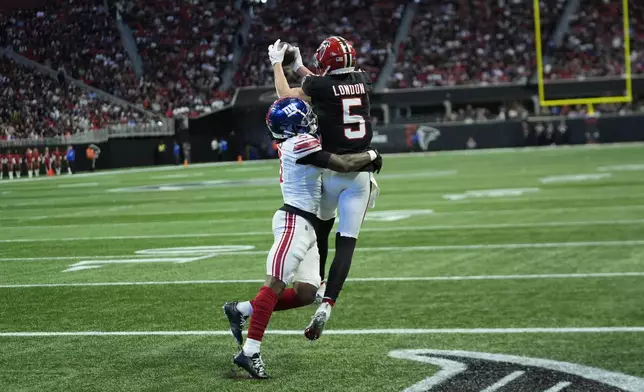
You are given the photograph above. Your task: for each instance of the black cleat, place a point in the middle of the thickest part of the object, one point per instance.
(236, 320)
(253, 365)
(316, 326)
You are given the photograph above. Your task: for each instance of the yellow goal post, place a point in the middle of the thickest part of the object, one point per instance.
(592, 100)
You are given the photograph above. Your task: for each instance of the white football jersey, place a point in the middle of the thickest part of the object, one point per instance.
(301, 184)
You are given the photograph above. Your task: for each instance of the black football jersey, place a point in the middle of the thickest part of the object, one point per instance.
(341, 103)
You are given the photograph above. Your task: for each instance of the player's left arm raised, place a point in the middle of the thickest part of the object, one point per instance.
(342, 163)
(276, 55)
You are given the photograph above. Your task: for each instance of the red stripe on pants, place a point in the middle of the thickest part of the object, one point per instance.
(293, 217)
(285, 244)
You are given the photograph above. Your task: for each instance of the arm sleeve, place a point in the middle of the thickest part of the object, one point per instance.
(318, 159)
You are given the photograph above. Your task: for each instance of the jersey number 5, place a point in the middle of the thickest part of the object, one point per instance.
(353, 119)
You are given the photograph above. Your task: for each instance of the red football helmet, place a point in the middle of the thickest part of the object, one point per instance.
(334, 55)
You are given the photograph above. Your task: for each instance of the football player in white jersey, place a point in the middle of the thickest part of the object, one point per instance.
(294, 255)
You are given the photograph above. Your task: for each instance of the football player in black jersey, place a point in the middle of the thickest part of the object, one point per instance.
(339, 95)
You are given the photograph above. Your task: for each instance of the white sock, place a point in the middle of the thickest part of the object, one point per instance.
(245, 308)
(251, 347)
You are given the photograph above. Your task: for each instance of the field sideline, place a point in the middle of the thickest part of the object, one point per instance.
(113, 281)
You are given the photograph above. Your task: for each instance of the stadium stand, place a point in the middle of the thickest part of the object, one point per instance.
(594, 45)
(35, 106)
(78, 37)
(184, 48)
(448, 44)
(369, 24)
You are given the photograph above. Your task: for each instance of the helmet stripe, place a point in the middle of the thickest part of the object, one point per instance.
(348, 59)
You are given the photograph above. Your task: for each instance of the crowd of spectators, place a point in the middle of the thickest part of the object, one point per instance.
(451, 43)
(184, 46)
(594, 45)
(33, 105)
(370, 25)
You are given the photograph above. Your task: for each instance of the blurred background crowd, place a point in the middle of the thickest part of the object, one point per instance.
(186, 57)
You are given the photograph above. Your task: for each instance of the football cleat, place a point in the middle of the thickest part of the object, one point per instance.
(253, 364)
(318, 321)
(236, 320)
(319, 295)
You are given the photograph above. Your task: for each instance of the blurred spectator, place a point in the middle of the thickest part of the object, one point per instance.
(184, 46)
(449, 44)
(35, 106)
(185, 49)
(370, 25)
(594, 46)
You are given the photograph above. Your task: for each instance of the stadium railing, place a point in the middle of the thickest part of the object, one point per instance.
(98, 136)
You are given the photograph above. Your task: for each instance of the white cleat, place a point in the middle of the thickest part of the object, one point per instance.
(318, 321)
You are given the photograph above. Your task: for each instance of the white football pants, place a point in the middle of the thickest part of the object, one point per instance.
(350, 194)
(294, 255)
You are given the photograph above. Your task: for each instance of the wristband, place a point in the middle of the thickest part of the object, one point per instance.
(373, 155)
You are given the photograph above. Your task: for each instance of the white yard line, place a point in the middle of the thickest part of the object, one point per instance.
(375, 279)
(489, 151)
(298, 332)
(523, 211)
(364, 229)
(543, 245)
(367, 249)
(55, 258)
(504, 381)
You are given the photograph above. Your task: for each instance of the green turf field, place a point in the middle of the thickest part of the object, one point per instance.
(535, 253)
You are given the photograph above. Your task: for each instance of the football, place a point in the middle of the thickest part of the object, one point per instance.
(289, 56)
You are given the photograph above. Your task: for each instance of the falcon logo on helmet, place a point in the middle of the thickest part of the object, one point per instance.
(335, 55)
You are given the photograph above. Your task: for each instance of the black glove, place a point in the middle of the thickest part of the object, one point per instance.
(377, 163)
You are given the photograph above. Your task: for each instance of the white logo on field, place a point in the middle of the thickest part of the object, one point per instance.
(466, 370)
(574, 178)
(395, 215)
(178, 255)
(490, 193)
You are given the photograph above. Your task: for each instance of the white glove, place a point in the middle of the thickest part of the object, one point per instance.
(297, 63)
(276, 55)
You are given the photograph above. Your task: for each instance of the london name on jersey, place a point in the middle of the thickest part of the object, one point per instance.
(349, 89)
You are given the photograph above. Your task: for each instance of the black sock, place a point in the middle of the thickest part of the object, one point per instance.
(344, 248)
(323, 230)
